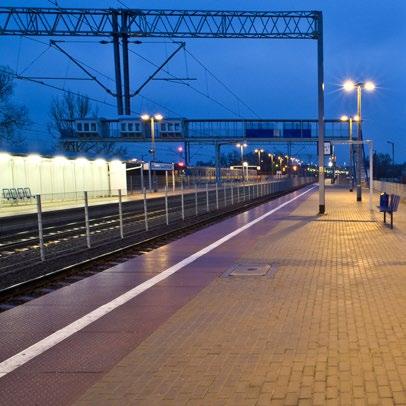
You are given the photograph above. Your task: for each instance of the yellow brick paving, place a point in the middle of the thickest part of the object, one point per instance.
(328, 328)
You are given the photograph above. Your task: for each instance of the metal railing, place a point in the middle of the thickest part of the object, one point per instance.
(93, 224)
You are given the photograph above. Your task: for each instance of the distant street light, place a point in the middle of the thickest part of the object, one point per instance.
(270, 156)
(349, 86)
(242, 146)
(350, 120)
(152, 119)
(180, 151)
(259, 151)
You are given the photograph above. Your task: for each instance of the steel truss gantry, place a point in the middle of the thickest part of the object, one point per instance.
(124, 24)
(158, 23)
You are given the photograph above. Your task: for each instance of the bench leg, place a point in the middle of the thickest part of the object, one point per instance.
(391, 220)
(384, 217)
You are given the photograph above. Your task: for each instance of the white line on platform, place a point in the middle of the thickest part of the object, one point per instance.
(45, 344)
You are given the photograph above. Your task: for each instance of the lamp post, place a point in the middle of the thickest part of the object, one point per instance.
(349, 86)
(259, 152)
(180, 151)
(350, 120)
(270, 156)
(242, 146)
(152, 119)
(393, 154)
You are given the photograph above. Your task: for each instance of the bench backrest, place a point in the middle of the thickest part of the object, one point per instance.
(13, 193)
(6, 194)
(394, 202)
(27, 193)
(20, 192)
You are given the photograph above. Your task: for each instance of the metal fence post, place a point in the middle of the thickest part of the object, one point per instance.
(232, 193)
(196, 207)
(120, 213)
(238, 193)
(217, 196)
(249, 192)
(40, 228)
(225, 194)
(207, 198)
(87, 220)
(150, 177)
(166, 180)
(166, 205)
(182, 201)
(145, 209)
(173, 180)
(142, 177)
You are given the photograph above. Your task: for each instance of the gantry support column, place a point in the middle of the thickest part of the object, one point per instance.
(126, 68)
(117, 64)
(320, 92)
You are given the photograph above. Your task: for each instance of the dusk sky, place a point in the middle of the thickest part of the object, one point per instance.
(364, 40)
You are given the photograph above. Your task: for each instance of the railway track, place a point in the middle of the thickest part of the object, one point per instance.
(38, 285)
(17, 242)
(53, 234)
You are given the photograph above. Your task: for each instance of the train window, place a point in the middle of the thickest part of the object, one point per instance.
(93, 127)
(122, 127)
(170, 127)
(177, 126)
(86, 127)
(163, 127)
(130, 127)
(79, 126)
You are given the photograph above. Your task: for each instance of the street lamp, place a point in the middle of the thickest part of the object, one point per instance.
(349, 86)
(350, 120)
(152, 119)
(259, 151)
(242, 146)
(270, 156)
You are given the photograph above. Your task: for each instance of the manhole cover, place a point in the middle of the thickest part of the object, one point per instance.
(249, 269)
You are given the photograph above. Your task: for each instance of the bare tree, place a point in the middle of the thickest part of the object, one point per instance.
(67, 108)
(13, 117)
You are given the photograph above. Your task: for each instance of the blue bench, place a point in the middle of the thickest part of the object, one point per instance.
(391, 207)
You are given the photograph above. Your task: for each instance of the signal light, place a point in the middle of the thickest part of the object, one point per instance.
(180, 166)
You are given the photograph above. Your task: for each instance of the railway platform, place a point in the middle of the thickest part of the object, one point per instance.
(276, 305)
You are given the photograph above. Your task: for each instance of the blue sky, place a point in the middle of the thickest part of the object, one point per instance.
(277, 79)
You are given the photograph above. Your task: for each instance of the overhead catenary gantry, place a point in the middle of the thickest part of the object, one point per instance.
(124, 24)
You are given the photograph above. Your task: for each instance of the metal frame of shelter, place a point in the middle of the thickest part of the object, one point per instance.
(124, 24)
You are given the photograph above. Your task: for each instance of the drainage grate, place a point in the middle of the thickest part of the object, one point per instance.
(248, 269)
